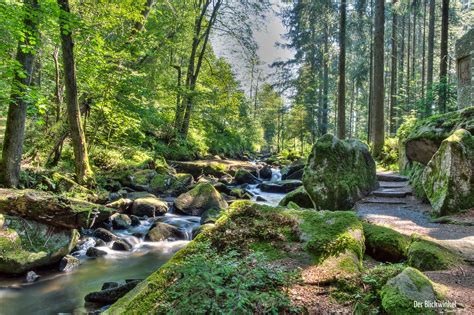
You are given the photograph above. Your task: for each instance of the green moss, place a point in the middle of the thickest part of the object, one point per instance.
(385, 244)
(298, 196)
(269, 250)
(329, 233)
(426, 255)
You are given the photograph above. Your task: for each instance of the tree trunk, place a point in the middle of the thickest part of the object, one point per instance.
(407, 99)
(394, 74)
(324, 119)
(443, 67)
(81, 160)
(423, 57)
(15, 128)
(379, 132)
(370, 118)
(139, 25)
(341, 98)
(429, 67)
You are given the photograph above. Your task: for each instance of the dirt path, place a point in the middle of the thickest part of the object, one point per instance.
(393, 205)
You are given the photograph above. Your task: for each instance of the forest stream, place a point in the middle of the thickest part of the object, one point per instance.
(58, 293)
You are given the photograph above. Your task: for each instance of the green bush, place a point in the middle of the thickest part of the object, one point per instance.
(389, 156)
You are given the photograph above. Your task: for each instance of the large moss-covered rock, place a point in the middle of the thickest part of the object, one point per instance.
(339, 173)
(51, 209)
(199, 199)
(428, 256)
(448, 179)
(217, 168)
(385, 244)
(172, 184)
(27, 244)
(299, 196)
(421, 141)
(330, 240)
(149, 206)
(401, 293)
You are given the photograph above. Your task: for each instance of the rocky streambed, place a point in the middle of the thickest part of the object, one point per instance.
(127, 248)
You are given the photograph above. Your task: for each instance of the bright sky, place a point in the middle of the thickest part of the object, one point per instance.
(266, 39)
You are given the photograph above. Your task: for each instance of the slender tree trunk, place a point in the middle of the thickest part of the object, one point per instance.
(413, 56)
(429, 69)
(394, 74)
(423, 57)
(370, 116)
(379, 131)
(341, 98)
(324, 120)
(16, 119)
(140, 25)
(407, 100)
(57, 80)
(83, 171)
(443, 68)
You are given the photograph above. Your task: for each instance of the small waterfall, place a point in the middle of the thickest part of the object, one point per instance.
(276, 175)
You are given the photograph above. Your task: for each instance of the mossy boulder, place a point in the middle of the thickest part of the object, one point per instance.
(282, 186)
(27, 244)
(213, 167)
(171, 184)
(51, 209)
(401, 293)
(262, 235)
(385, 244)
(199, 199)
(299, 196)
(427, 256)
(448, 179)
(423, 139)
(339, 173)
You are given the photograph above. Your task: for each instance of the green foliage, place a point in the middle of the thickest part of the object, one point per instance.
(227, 283)
(388, 158)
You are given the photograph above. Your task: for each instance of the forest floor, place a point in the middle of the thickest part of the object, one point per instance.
(394, 206)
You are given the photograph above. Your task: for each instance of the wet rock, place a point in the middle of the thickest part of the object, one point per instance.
(294, 170)
(111, 295)
(299, 196)
(68, 263)
(283, 186)
(261, 199)
(135, 221)
(120, 221)
(226, 179)
(339, 173)
(138, 235)
(139, 194)
(150, 207)
(104, 235)
(121, 245)
(95, 252)
(27, 244)
(243, 176)
(31, 276)
(122, 204)
(171, 184)
(160, 231)
(99, 243)
(266, 172)
(199, 199)
(448, 179)
(109, 285)
(240, 193)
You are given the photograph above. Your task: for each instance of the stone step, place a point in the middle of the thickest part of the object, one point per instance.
(390, 193)
(391, 185)
(382, 200)
(392, 178)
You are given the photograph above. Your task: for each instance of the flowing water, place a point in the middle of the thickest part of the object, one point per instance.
(59, 293)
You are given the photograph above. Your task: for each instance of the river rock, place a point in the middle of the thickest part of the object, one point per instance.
(198, 230)
(109, 285)
(104, 235)
(120, 221)
(226, 179)
(266, 172)
(210, 216)
(217, 168)
(282, 186)
(68, 263)
(121, 245)
(339, 173)
(27, 244)
(171, 184)
(199, 199)
(149, 206)
(135, 221)
(111, 295)
(122, 204)
(448, 179)
(222, 188)
(243, 176)
(401, 292)
(160, 231)
(99, 243)
(299, 196)
(50, 209)
(294, 170)
(261, 199)
(95, 252)
(31, 276)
